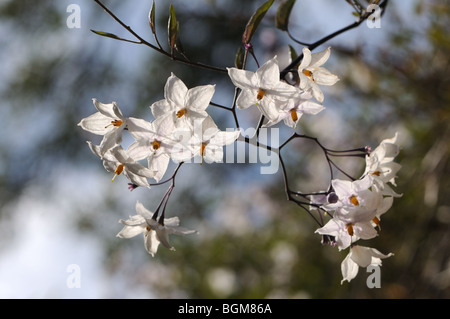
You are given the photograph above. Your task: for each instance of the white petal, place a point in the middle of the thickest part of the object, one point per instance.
(349, 269)
(243, 79)
(96, 123)
(198, 98)
(175, 91)
(246, 99)
(268, 74)
(319, 58)
(151, 242)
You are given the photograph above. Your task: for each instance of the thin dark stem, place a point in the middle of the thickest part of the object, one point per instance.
(159, 48)
(314, 45)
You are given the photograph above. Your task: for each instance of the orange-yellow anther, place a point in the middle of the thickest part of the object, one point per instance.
(260, 94)
(115, 123)
(202, 150)
(294, 115)
(307, 73)
(376, 221)
(350, 229)
(156, 144)
(354, 200)
(181, 113)
(376, 173)
(118, 171)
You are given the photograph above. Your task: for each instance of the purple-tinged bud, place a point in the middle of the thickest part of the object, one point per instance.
(332, 198)
(132, 186)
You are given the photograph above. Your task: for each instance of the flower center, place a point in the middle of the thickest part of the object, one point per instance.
(115, 123)
(376, 173)
(350, 229)
(181, 113)
(308, 73)
(117, 172)
(260, 94)
(354, 200)
(376, 221)
(294, 115)
(156, 144)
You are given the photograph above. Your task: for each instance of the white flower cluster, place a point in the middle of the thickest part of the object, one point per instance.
(278, 100)
(181, 130)
(356, 207)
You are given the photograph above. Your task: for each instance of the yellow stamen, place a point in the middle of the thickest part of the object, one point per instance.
(202, 152)
(181, 113)
(307, 73)
(117, 172)
(260, 94)
(354, 200)
(115, 123)
(376, 173)
(156, 144)
(350, 229)
(376, 221)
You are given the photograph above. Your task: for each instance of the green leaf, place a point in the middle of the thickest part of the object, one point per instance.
(106, 34)
(151, 18)
(254, 21)
(239, 62)
(173, 28)
(292, 52)
(283, 13)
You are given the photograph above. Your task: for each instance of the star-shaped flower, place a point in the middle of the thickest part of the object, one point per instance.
(118, 161)
(154, 232)
(263, 87)
(291, 111)
(312, 74)
(360, 256)
(108, 121)
(183, 105)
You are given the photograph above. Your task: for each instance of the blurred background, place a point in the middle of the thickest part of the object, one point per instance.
(59, 211)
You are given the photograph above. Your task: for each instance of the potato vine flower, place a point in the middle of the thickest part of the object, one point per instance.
(153, 141)
(154, 232)
(346, 233)
(380, 164)
(118, 161)
(263, 87)
(182, 104)
(108, 121)
(360, 256)
(312, 74)
(207, 142)
(291, 111)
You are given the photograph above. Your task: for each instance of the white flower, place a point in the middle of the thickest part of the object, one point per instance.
(154, 142)
(263, 87)
(108, 121)
(118, 161)
(290, 111)
(183, 105)
(154, 233)
(354, 198)
(207, 142)
(380, 164)
(312, 74)
(347, 233)
(360, 257)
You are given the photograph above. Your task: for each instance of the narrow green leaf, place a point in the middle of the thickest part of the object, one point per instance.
(172, 28)
(283, 13)
(106, 34)
(292, 53)
(254, 21)
(151, 18)
(239, 62)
